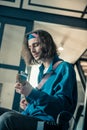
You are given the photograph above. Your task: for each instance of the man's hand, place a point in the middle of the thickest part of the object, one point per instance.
(23, 89)
(23, 103)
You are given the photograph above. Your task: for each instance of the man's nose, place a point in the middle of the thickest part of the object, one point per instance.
(32, 49)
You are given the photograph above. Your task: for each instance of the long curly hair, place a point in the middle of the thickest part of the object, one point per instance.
(49, 48)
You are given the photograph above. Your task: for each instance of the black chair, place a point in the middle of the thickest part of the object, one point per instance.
(62, 122)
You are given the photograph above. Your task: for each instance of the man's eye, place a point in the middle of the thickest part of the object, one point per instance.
(36, 44)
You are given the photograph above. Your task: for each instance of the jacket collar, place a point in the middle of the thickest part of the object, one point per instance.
(55, 59)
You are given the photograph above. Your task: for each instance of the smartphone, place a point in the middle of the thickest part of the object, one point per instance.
(22, 77)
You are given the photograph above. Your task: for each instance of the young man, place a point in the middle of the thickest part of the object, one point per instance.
(56, 91)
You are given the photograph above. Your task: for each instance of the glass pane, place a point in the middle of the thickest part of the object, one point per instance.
(11, 44)
(7, 95)
(7, 75)
(34, 75)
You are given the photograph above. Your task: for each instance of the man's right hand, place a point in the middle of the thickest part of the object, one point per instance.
(23, 103)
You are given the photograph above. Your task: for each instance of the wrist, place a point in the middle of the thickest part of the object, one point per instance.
(28, 88)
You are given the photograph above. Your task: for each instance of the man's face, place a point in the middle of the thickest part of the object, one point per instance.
(35, 48)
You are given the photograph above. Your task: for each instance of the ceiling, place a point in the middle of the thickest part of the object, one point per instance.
(73, 40)
(75, 8)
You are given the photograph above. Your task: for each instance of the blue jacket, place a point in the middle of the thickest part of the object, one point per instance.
(59, 93)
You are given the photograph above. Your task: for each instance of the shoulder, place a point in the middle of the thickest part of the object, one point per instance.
(66, 66)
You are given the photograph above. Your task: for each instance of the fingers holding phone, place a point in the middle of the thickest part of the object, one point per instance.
(22, 86)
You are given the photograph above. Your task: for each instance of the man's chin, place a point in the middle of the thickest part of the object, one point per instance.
(38, 60)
